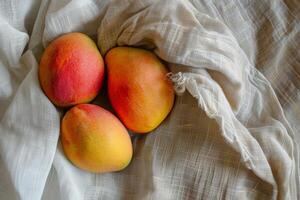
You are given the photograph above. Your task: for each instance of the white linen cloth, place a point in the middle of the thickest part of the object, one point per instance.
(228, 137)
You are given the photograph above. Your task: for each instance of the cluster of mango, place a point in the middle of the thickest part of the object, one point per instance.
(72, 72)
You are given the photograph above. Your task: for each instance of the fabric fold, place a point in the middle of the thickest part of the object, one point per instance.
(206, 44)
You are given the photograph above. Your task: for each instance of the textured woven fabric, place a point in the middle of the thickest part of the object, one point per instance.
(232, 134)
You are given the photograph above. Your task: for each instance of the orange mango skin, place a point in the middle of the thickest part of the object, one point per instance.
(71, 70)
(138, 88)
(95, 140)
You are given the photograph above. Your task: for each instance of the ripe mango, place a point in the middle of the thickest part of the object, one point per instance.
(138, 88)
(95, 140)
(71, 70)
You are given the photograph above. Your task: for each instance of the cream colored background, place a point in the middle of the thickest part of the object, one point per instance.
(233, 134)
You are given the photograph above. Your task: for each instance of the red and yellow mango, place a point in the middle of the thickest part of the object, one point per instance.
(138, 88)
(71, 70)
(95, 140)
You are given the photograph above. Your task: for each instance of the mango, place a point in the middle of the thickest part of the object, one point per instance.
(95, 140)
(71, 70)
(138, 88)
